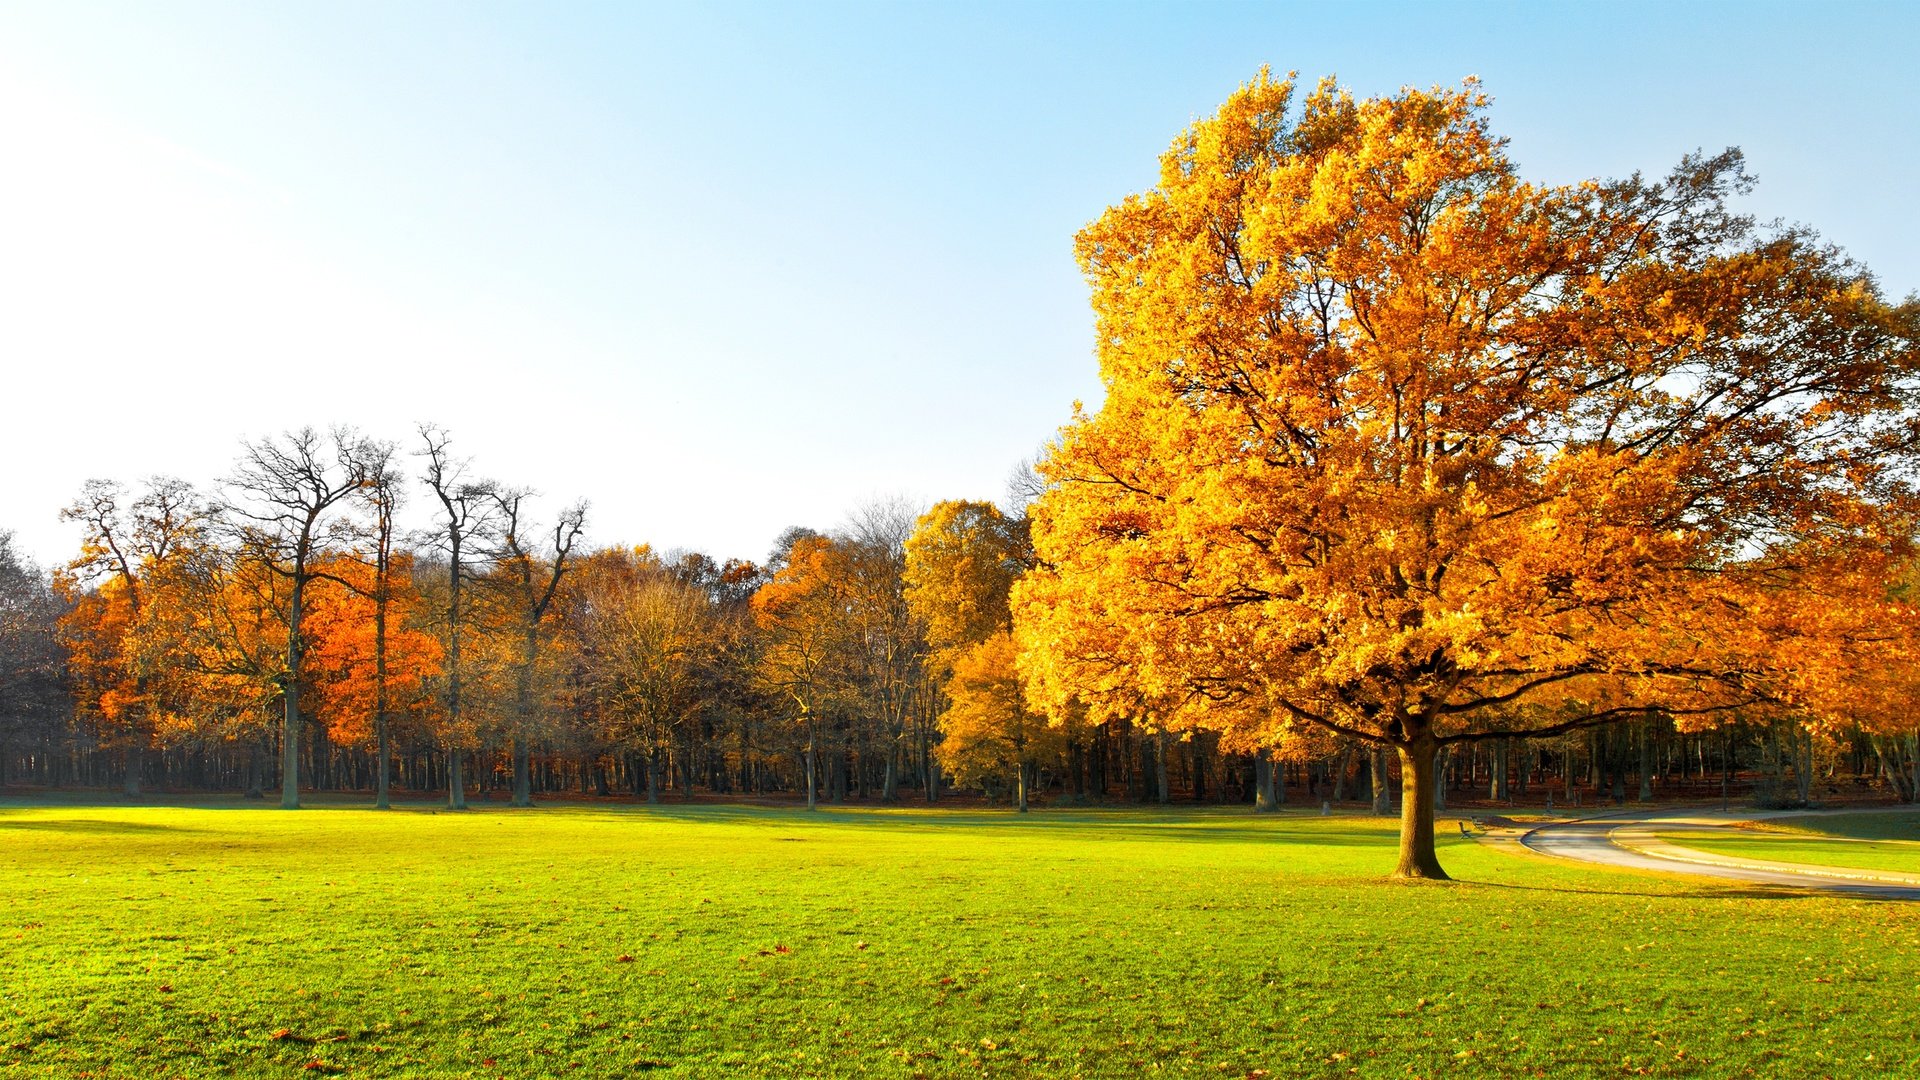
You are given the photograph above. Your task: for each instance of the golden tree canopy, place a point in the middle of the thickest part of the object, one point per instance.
(1400, 444)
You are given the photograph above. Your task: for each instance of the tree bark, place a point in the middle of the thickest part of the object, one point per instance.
(1160, 768)
(522, 773)
(456, 781)
(1262, 783)
(1417, 781)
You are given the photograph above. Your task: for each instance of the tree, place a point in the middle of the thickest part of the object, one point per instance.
(647, 634)
(381, 494)
(286, 495)
(526, 581)
(124, 544)
(801, 612)
(889, 641)
(370, 662)
(961, 563)
(1397, 444)
(466, 508)
(33, 697)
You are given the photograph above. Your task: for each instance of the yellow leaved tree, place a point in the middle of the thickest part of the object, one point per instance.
(1399, 445)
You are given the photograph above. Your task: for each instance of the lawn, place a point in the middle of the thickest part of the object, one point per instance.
(215, 940)
(1861, 841)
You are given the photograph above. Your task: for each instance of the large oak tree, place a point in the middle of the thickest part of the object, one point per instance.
(1399, 444)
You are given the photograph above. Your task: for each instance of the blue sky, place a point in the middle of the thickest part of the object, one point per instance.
(724, 269)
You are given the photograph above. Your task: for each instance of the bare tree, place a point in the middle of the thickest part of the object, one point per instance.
(467, 513)
(526, 580)
(285, 493)
(891, 642)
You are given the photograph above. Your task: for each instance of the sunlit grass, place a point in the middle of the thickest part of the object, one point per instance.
(1863, 841)
(160, 942)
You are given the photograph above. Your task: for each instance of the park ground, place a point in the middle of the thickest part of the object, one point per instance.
(221, 939)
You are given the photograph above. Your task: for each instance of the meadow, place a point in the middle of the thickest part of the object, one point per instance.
(221, 939)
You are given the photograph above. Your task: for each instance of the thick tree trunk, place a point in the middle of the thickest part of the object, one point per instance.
(1020, 782)
(1417, 781)
(456, 780)
(522, 773)
(1262, 783)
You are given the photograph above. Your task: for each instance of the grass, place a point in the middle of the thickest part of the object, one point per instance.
(1860, 841)
(154, 942)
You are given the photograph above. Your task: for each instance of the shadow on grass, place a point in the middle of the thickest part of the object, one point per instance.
(89, 825)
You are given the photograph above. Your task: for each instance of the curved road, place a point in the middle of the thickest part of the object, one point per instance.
(1591, 840)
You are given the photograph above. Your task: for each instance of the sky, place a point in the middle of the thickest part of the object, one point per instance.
(724, 269)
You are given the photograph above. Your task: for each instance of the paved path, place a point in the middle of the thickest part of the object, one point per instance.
(1628, 840)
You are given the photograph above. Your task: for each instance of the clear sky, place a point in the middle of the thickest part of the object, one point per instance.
(725, 269)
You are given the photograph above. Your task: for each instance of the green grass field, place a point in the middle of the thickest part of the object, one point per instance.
(569, 941)
(1862, 841)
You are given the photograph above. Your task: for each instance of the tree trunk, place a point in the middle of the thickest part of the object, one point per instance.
(1020, 783)
(1646, 763)
(522, 773)
(1160, 768)
(1199, 768)
(812, 796)
(256, 769)
(136, 761)
(1497, 753)
(456, 781)
(290, 700)
(1382, 795)
(1417, 781)
(1262, 783)
(382, 779)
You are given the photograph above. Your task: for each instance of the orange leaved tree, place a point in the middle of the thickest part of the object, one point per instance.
(1398, 444)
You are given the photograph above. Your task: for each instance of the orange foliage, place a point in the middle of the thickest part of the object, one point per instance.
(340, 658)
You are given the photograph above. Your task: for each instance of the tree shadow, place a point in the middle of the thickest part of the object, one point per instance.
(90, 825)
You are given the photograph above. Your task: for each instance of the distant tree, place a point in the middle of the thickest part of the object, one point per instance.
(286, 498)
(466, 516)
(125, 542)
(960, 566)
(804, 655)
(33, 693)
(1395, 443)
(525, 578)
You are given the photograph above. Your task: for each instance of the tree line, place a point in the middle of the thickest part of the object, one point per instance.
(282, 632)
